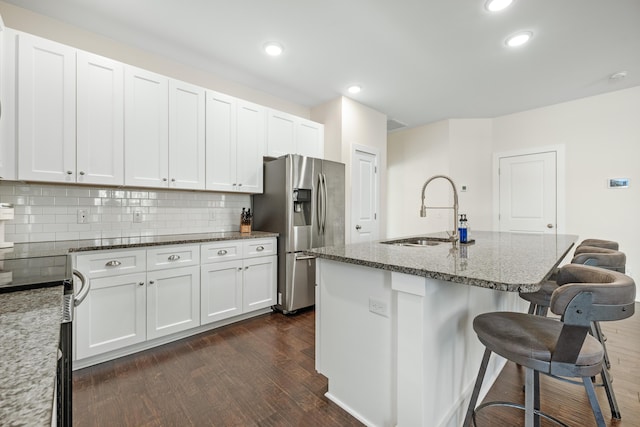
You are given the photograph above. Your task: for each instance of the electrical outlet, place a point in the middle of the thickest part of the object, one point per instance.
(82, 216)
(137, 216)
(378, 307)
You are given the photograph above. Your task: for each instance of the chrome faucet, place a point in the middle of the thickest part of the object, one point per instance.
(423, 209)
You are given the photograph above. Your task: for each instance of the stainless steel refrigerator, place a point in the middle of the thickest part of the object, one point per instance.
(303, 201)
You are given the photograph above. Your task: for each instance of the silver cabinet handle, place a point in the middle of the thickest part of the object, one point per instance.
(141, 284)
(260, 249)
(81, 172)
(113, 263)
(84, 289)
(174, 258)
(222, 252)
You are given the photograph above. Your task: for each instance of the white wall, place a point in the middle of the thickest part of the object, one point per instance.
(40, 25)
(349, 123)
(458, 148)
(601, 136)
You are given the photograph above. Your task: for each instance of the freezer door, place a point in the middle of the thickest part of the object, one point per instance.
(301, 278)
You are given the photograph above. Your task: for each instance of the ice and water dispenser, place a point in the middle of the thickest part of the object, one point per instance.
(301, 207)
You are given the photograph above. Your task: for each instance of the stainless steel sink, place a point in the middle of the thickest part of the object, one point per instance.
(418, 241)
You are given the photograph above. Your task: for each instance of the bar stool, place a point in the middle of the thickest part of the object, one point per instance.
(599, 243)
(558, 348)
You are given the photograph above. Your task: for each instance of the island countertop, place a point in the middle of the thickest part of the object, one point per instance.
(496, 260)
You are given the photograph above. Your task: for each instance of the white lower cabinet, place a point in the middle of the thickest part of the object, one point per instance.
(145, 294)
(231, 286)
(112, 316)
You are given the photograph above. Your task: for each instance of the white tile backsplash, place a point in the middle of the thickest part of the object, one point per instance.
(45, 212)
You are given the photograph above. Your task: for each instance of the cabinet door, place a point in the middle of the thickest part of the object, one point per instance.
(112, 316)
(250, 147)
(46, 110)
(310, 139)
(221, 142)
(172, 301)
(259, 283)
(220, 291)
(186, 136)
(100, 120)
(7, 103)
(281, 133)
(146, 129)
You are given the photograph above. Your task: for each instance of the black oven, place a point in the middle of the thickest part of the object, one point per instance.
(64, 401)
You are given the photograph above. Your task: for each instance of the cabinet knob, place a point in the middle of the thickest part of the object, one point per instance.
(113, 263)
(151, 282)
(240, 185)
(222, 252)
(81, 172)
(164, 179)
(246, 268)
(141, 284)
(234, 184)
(69, 172)
(173, 180)
(549, 225)
(260, 249)
(358, 227)
(239, 268)
(174, 258)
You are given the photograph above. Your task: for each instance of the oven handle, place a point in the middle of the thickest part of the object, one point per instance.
(84, 289)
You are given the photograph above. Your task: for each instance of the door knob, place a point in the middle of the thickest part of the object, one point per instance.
(358, 227)
(549, 225)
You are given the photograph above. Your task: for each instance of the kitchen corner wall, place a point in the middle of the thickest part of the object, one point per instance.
(50, 212)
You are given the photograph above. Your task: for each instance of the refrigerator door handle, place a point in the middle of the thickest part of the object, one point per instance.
(324, 204)
(320, 204)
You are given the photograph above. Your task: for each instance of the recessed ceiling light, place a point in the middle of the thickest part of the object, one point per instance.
(518, 39)
(497, 5)
(355, 89)
(273, 49)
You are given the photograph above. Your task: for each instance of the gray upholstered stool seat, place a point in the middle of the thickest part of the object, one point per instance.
(563, 348)
(531, 341)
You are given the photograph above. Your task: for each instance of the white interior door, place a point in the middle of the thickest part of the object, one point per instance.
(364, 195)
(528, 193)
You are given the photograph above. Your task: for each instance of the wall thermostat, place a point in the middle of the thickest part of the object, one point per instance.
(618, 183)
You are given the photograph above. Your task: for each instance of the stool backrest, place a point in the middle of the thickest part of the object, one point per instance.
(587, 294)
(608, 244)
(603, 258)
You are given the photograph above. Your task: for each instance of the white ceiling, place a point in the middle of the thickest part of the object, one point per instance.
(418, 61)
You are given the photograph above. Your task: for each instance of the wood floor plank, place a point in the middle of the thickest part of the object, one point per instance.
(261, 372)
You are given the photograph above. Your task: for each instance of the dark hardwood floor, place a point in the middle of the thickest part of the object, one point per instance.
(260, 372)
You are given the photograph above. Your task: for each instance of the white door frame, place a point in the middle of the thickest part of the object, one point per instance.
(374, 152)
(560, 181)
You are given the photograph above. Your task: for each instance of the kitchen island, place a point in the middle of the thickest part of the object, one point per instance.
(394, 323)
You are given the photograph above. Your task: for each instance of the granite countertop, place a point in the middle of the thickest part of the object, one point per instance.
(502, 261)
(30, 325)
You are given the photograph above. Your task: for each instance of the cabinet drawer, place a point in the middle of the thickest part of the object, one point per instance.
(259, 247)
(172, 257)
(111, 263)
(227, 250)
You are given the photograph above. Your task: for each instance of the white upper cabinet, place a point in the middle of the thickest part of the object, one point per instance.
(186, 136)
(281, 134)
(146, 128)
(100, 120)
(289, 134)
(46, 110)
(164, 131)
(250, 145)
(7, 104)
(310, 138)
(235, 144)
